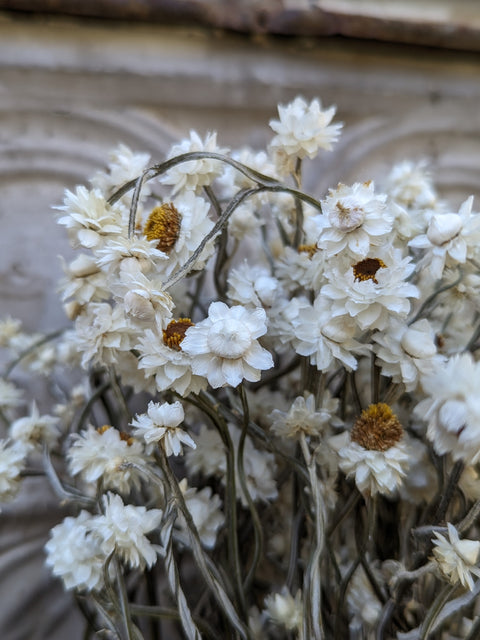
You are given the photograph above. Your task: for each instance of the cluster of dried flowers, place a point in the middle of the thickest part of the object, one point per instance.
(273, 424)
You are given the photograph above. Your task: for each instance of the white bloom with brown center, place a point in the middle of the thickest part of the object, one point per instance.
(375, 454)
(354, 220)
(224, 347)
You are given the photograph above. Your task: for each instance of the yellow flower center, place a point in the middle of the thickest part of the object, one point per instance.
(163, 224)
(123, 435)
(367, 269)
(310, 249)
(377, 428)
(175, 332)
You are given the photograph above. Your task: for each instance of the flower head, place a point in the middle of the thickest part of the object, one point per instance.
(224, 346)
(74, 553)
(122, 528)
(12, 463)
(35, 430)
(302, 130)
(108, 454)
(161, 425)
(375, 454)
(456, 558)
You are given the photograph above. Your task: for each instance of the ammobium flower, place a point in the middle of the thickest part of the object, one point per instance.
(452, 408)
(284, 609)
(105, 453)
(193, 174)
(302, 130)
(224, 346)
(161, 425)
(123, 527)
(12, 462)
(206, 513)
(456, 558)
(74, 553)
(35, 430)
(354, 219)
(303, 418)
(376, 455)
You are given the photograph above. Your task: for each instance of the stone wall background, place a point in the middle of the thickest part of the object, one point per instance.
(70, 90)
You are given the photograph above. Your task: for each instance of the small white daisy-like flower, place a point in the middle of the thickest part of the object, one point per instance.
(405, 352)
(252, 285)
(450, 239)
(178, 228)
(12, 463)
(163, 358)
(89, 218)
(35, 430)
(143, 299)
(323, 337)
(410, 184)
(9, 328)
(375, 454)
(206, 513)
(124, 165)
(302, 267)
(372, 290)
(130, 254)
(302, 417)
(354, 219)
(84, 281)
(193, 174)
(106, 453)
(161, 425)
(101, 331)
(123, 529)
(74, 553)
(456, 559)
(284, 609)
(10, 395)
(451, 408)
(224, 346)
(302, 130)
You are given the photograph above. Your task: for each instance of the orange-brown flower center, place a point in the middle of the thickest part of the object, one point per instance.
(377, 428)
(367, 269)
(163, 224)
(175, 332)
(310, 249)
(123, 435)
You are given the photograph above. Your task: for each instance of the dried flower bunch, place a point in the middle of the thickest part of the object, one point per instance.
(265, 419)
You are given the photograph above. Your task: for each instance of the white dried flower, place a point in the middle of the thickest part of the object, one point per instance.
(101, 331)
(74, 553)
(456, 558)
(302, 417)
(193, 174)
(354, 219)
(161, 425)
(285, 610)
(89, 218)
(12, 463)
(107, 453)
(122, 529)
(9, 328)
(205, 509)
(224, 346)
(252, 285)
(35, 430)
(375, 453)
(372, 290)
(302, 130)
(10, 395)
(451, 408)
